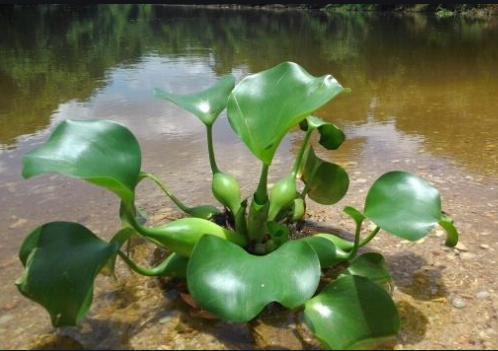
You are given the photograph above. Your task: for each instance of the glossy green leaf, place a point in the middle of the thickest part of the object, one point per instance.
(352, 313)
(207, 104)
(331, 136)
(327, 247)
(121, 237)
(356, 215)
(61, 261)
(373, 266)
(403, 204)
(101, 152)
(226, 280)
(326, 182)
(264, 106)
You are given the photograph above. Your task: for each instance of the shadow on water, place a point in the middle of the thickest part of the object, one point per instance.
(414, 276)
(420, 295)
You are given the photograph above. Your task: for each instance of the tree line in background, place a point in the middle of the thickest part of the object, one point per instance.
(454, 9)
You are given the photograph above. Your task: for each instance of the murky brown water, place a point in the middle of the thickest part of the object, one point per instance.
(424, 99)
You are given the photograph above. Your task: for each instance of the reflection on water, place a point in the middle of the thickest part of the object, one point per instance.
(423, 98)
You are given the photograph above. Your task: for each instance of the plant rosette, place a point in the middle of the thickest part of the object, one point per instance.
(234, 271)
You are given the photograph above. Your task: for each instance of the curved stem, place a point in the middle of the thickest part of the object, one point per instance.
(156, 271)
(304, 144)
(369, 237)
(210, 144)
(156, 180)
(261, 194)
(305, 190)
(356, 243)
(127, 211)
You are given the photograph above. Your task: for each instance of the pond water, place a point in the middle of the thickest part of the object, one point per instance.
(424, 99)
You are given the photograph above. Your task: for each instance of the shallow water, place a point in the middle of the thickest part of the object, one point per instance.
(423, 100)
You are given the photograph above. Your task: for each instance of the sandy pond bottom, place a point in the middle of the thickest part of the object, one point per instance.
(446, 298)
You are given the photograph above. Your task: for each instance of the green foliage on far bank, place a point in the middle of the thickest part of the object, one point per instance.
(441, 10)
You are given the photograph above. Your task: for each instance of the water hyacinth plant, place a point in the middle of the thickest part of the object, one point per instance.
(235, 268)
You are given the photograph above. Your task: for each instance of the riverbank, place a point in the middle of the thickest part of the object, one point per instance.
(440, 10)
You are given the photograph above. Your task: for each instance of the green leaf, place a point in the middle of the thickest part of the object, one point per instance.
(331, 137)
(326, 182)
(226, 280)
(356, 215)
(403, 204)
(121, 237)
(207, 104)
(352, 313)
(101, 152)
(373, 266)
(327, 247)
(61, 261)
(264, 106)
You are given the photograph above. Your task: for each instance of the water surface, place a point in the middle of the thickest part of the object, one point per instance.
(424, 99)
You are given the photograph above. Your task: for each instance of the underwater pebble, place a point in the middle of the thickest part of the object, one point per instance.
(483, 295)
(467, 256)
(85, 328)
(164, 320)
(458, 302)
(19, 223)
(6, 318)
(484, 246)
(461, 247)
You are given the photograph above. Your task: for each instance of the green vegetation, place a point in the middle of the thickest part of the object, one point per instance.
(441, 10)
(240, 256)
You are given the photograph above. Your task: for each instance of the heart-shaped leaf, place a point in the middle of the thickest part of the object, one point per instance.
(326, 182)
(227, 281)
(207, 104)
(264, 106)
(352, 312)
(61, 261)
(403, 204)
(101, 152)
